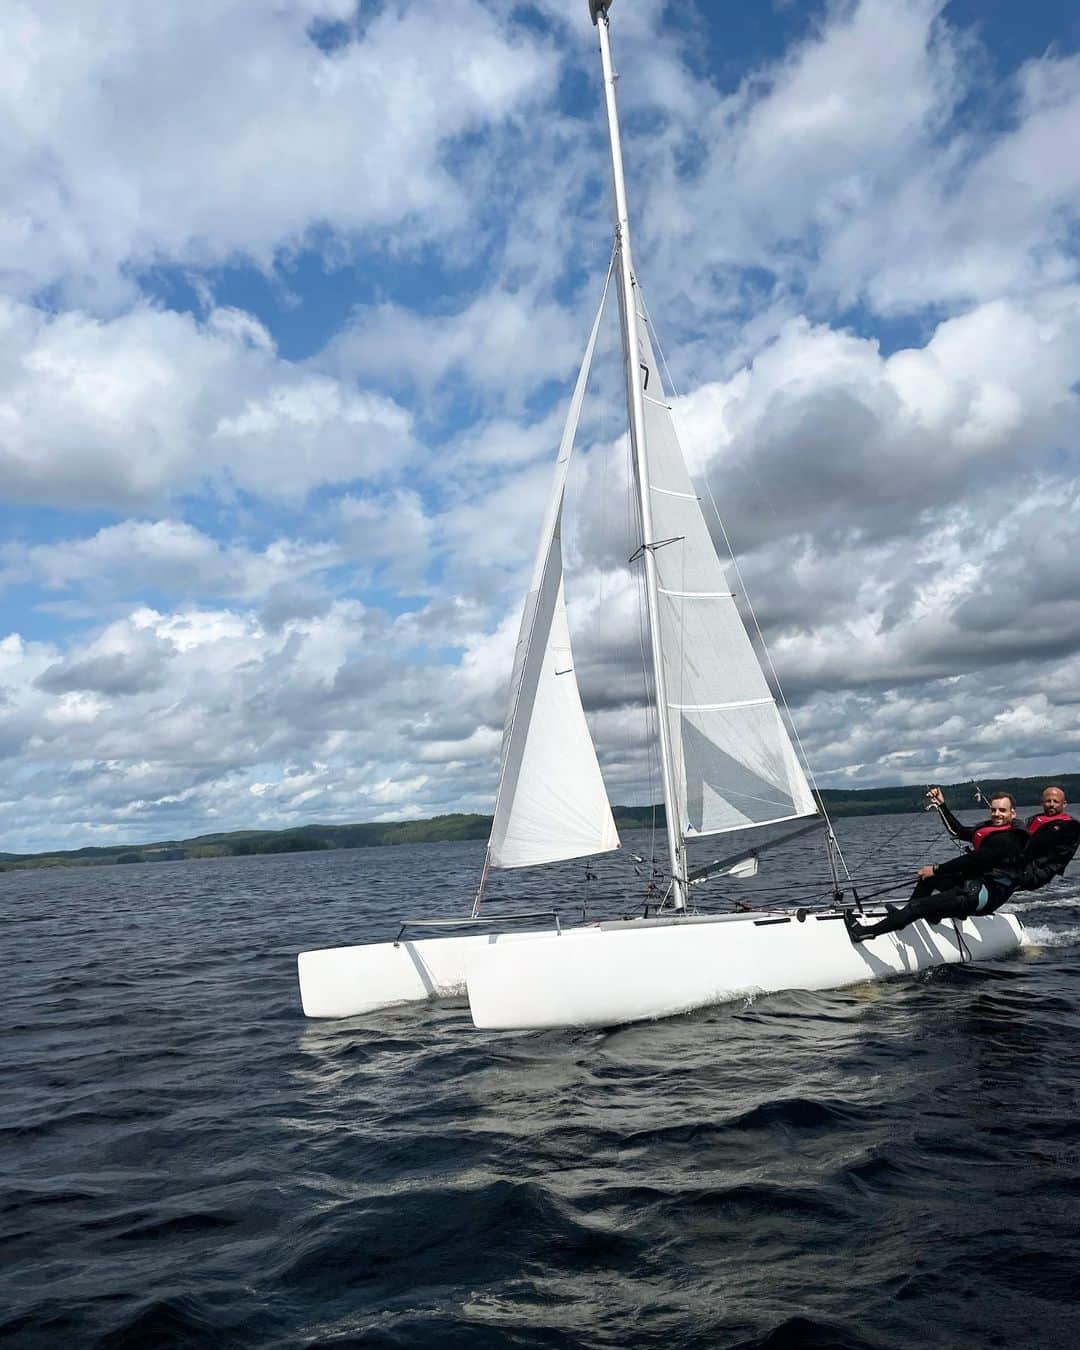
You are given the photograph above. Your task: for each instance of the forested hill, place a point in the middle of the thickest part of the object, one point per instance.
(840, 802)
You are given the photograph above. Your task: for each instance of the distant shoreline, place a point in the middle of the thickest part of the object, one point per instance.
(448, 828)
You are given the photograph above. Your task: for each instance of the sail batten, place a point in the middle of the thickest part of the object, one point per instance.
(735, 829)
(699, 595)
(718, 707)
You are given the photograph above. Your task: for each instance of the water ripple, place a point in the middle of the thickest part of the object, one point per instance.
(191, 1163)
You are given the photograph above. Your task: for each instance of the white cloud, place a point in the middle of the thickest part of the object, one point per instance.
(906, 517)
(195, 133)
(504, 344)
(875, 163)
(168, 555)
(150, 404)
(391, 532)
(860, 441)
(993, 216)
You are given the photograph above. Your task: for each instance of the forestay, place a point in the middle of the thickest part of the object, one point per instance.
(733, 761)
(552, 803)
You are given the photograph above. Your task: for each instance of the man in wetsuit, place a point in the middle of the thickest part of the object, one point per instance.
(1054, 839)
(977, 882)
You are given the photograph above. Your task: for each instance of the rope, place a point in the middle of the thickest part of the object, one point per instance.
(957, 843)
(876, 849)
(965, 950)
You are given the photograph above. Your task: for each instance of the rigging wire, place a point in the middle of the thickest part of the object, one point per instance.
(877, 849)
(793, 893)
(633, 531)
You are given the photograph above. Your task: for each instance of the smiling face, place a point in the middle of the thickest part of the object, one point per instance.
(1002, 811)
(1053, 801)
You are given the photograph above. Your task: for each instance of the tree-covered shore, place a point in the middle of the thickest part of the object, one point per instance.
(440, 829)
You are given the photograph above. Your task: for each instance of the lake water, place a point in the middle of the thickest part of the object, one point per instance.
(186, 1161)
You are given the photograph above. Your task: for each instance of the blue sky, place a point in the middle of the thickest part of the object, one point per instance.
(293, 297)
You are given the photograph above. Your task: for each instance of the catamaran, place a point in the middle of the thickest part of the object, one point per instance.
(729, 760)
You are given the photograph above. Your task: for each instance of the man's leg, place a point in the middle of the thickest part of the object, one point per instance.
(957, 903)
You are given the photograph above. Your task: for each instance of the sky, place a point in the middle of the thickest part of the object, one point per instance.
(292, 299)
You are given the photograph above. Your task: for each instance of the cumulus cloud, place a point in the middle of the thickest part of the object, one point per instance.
(217, 711)
(503, 344)
(876, 165)
(859, 439)
(199, 132)
(167, 555)
(392, 533)
(132, 410)
(296, 593)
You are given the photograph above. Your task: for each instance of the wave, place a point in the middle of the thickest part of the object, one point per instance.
(1043, 935)
(198, 1166)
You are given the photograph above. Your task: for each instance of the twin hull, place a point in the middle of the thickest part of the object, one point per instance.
(636, 969)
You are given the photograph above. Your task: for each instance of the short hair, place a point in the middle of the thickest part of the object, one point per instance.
(1055, 787)
(997, 796)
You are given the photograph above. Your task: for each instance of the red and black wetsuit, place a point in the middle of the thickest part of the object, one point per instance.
(996, 860)
(1052, 844)
(976, 882)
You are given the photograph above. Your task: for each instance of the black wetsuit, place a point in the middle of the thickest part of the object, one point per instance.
(973, 883)
(1052, 844)
(995, 861)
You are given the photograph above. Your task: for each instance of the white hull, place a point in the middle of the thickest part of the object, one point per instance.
(632, 970)
(347, 981)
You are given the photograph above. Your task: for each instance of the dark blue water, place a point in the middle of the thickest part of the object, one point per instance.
(187, 1162)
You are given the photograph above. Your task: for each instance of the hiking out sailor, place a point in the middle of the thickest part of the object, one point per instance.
(1054, 837)
(976, 882)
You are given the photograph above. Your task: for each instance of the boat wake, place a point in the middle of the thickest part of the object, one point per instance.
(1040, 935)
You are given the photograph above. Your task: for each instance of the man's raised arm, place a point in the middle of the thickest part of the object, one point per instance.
(936, 798)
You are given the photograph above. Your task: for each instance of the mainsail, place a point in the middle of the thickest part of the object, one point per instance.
(552, 803)
(733, 762)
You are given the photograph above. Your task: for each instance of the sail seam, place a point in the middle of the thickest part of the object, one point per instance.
(699, 595)
(721, 707)
(748, 825)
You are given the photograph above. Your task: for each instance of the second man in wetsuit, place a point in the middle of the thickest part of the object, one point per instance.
(1053, 840)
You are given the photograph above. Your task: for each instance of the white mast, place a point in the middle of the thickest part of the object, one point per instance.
(636, 409)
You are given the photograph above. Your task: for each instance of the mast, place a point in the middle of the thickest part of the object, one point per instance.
(635, 395)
